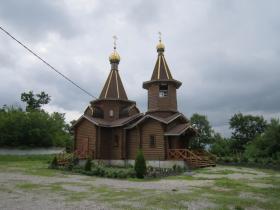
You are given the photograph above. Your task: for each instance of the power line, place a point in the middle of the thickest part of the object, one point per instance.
(45, 62)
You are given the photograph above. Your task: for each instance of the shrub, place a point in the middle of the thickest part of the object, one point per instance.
(239, 208)
(88, 165)
(244, 159)
(69, 166)
(235, 159)
(256, 160)
(140, 165)
(227, 159)
(54, 163)
(75, 161)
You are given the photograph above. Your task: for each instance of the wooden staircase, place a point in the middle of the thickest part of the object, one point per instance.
(194, 159)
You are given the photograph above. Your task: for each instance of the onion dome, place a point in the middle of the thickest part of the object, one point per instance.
(114, 57)
(160, 46)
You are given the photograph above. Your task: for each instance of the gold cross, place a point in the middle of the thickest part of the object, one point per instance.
(115, 41)
(159, 36)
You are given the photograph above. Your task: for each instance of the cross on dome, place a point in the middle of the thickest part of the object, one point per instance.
(160, 45)
(114, 57)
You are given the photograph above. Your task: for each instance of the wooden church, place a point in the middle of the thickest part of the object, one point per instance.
(112, 128)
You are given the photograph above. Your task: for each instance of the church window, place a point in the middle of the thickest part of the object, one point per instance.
(152, 141)
(163, 90)
(111, 113)
(116, 141)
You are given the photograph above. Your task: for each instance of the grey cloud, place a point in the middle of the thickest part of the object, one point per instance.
(35, 19)
(225, 53)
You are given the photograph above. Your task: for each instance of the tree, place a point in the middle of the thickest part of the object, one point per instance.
(266, 145)
(140, 165)
(245, 129)
(33, 128)
(34, 102)
(220, 146)
(205, 131)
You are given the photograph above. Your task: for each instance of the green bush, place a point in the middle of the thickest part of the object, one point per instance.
(140, 165)
(109, 172)
(244, 159)
(69, 166)
(235, 159)
(227, 160)
(239, 208)
(88, 165)
(54, 163)
(32, 129)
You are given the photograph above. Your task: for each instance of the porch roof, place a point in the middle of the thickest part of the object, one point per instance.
(178, 129)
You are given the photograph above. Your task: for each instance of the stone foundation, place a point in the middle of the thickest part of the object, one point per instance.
(153, 163)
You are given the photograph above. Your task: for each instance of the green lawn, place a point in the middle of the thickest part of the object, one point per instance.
(209, 188)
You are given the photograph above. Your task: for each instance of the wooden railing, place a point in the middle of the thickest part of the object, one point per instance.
(205, 154)
(183, 154)
(64, 158)
(193, 158)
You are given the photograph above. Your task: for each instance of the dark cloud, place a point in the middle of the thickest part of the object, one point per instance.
(225, 53)
(36, 19)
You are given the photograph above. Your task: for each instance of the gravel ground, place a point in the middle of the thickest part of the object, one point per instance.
(16, 194)
(13, 197)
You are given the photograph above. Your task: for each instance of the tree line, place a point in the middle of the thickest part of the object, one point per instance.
(33, 126)
(252, 139)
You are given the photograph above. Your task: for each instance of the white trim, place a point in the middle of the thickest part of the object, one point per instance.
(109, 82)
(117, 84)
(165, 68)
(159, 57)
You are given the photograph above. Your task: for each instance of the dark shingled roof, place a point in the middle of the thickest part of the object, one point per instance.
(161, 73)
(161, 70)
(113, 88)
(165, 120)
(178, 129)
(104, 123)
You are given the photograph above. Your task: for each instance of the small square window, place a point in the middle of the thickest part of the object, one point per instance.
(152, 141)
(116, 141)
(163, 90)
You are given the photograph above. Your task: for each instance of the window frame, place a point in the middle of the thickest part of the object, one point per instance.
(152, 141)
(163, 90)
(116, 142)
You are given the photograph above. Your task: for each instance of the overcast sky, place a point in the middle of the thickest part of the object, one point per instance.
(226, 53)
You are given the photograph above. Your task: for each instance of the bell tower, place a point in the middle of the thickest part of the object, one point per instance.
(162, 88)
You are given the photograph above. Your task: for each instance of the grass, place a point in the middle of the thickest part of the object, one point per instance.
(20, 158)
(36, 165)
(222, 193)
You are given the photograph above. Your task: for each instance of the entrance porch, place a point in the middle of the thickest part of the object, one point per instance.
(178, 148)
